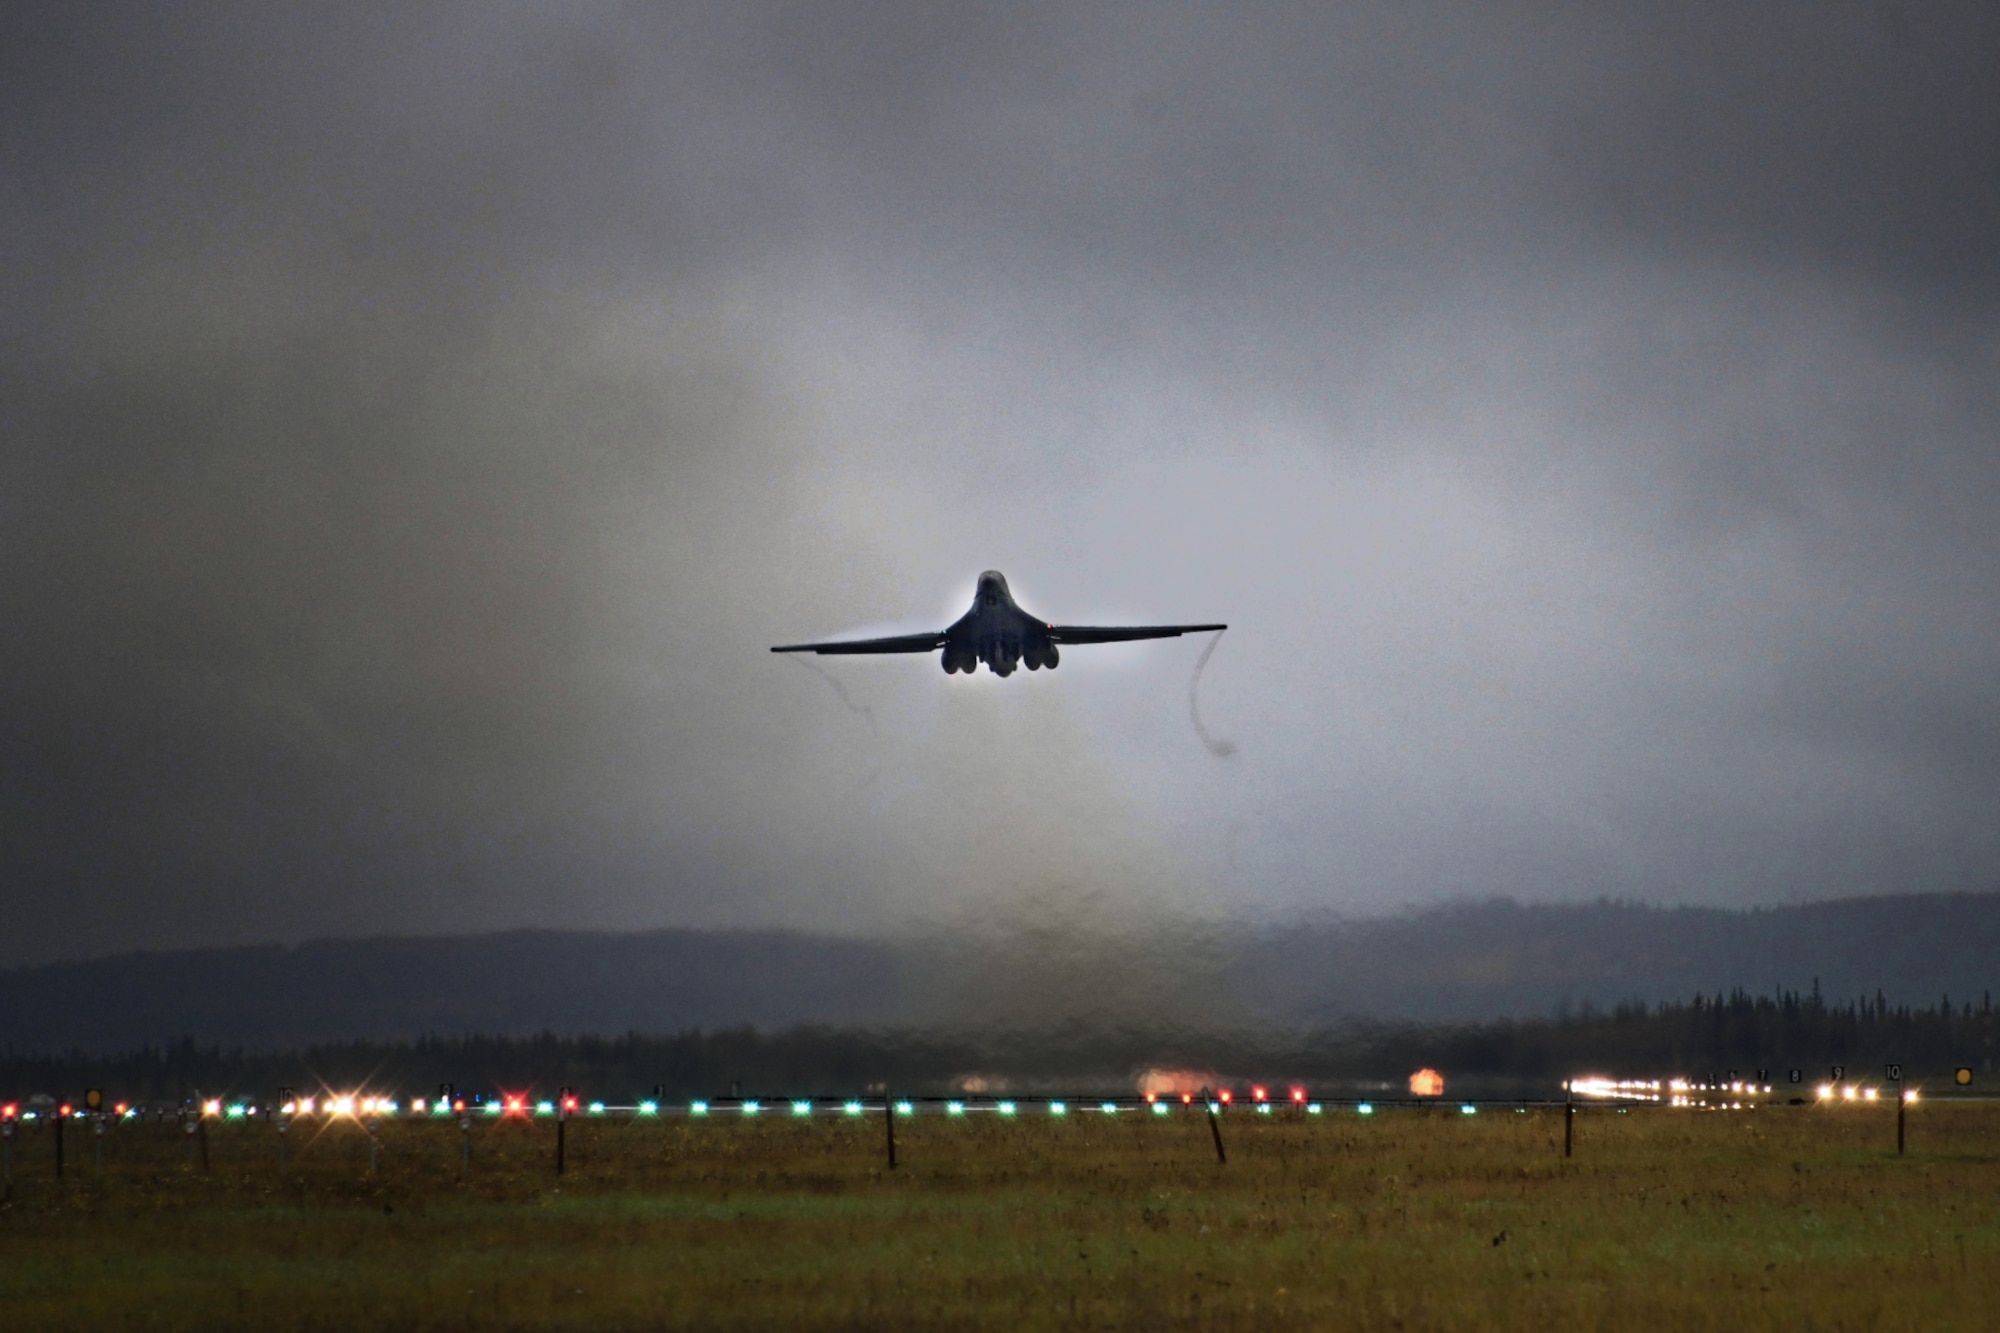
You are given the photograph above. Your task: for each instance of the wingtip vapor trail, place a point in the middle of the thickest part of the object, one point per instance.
(1219, 746)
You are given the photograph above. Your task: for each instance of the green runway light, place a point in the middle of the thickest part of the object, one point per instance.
(235, 1113)
(697, 1108)
(649, 1108)
(1312, 1109)
(751, 1108)
(1058, 1108)
(852, 1108)
(954, 1108)
(905, 1108)
(1468, 1109)
(1365, 1109)
(597, 1108)
(440, 1109)
(1109, 1108)
(1263, 1108)
(1006, 1108)
(545, 1108)
(802, 1108)
(493, 1108)
(1159, 1108)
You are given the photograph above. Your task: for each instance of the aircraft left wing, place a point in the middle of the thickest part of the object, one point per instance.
(902, 643)
(1103, 634)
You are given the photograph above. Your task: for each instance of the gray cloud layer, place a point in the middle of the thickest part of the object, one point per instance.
(420, 420)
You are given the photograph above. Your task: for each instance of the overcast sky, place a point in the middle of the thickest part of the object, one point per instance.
(420, 420)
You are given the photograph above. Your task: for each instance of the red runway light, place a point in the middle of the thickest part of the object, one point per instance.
(66, 1109)
(1298, 1094)
(1258, 1093)
(1152, 1097)
(516, 1105)
(1225, 1096)
(1187, 1098)
(9, 1111)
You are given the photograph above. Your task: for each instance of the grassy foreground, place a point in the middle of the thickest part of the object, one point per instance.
(1784, 1218)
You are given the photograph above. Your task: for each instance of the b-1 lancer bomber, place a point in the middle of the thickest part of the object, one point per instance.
(1000, 634)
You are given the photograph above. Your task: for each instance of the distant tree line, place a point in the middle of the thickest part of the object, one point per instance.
(1705, 1035)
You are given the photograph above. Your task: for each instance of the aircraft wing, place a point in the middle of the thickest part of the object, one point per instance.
(902, 643)
(1118, 634)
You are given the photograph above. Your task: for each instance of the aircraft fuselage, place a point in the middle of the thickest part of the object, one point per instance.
(997, 632)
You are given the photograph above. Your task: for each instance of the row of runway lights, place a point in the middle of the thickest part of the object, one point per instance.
(1672, 1092)
(519, 1106)
(1681, 1092)
(333, 1107)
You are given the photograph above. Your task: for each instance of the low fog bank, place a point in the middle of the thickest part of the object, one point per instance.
(1031, 981)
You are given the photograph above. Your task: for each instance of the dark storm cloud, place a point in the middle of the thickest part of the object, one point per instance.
(419, 421)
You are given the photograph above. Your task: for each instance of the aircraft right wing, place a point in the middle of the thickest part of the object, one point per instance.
(902, 643)
(1101, 634)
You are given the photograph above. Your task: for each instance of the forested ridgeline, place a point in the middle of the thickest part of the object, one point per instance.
(1708, 1035)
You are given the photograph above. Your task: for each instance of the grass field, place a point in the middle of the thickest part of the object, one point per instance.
(1783, 1218)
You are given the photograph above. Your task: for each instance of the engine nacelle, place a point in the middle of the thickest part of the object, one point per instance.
(1041, 654)
(959, 659)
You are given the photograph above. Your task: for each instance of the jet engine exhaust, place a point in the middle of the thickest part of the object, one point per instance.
(1219, 746)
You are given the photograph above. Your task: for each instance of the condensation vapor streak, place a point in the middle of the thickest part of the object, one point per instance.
(840, 690)
(1220, 747)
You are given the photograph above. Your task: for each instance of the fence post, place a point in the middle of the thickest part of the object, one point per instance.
(1569, 1119)
(1214, 1126)
(889, 1118)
